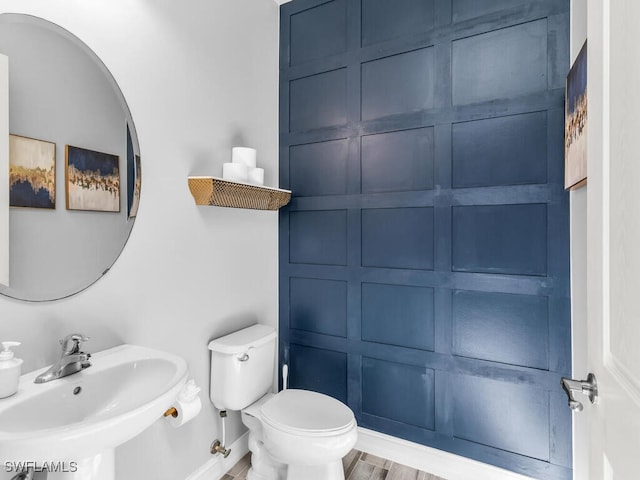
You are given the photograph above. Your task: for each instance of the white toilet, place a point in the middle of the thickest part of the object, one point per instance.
(293, 435)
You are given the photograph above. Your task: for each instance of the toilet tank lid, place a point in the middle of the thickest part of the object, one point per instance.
(243, 340)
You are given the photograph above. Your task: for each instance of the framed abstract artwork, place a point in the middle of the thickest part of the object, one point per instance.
(32, 173)
(137, 185)
(92, 180)
(134, 178)
(575, 124)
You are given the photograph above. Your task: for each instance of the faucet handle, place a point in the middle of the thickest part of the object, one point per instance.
(71, 343)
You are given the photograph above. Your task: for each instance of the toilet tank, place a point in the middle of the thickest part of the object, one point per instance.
(242, 367)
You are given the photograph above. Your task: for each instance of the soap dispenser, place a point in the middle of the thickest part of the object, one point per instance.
(9, 370)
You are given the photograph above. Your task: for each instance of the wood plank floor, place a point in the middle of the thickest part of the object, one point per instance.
(357, 466)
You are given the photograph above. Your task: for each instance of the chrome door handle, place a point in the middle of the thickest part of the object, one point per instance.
(589, 387)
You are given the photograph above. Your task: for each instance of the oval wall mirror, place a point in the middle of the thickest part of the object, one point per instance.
(74, 162)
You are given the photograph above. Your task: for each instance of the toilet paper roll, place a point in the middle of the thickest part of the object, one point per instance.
(186, 411)
(256, 176)
(236, 172)
(244, 155)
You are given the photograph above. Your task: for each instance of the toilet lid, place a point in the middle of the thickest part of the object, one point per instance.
(306, 411)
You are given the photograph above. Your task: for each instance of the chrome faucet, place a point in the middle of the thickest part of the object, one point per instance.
(71, 361)
(24, 474)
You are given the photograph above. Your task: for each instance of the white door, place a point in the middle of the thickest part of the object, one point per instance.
(613, 238)
(4, 170)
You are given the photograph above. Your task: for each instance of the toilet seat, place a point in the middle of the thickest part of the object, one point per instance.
(306, 413)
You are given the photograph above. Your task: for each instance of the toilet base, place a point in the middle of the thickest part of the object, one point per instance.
(263, 467)
(331, 471)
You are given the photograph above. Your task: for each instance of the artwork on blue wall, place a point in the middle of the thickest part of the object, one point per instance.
(32, 173)
(92, 180)
(137, 185)
(134, 178)
(575, 134)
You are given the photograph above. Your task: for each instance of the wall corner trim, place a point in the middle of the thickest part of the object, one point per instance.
(216, 467)
(437, 462)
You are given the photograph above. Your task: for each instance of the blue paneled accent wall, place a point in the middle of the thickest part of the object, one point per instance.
(424, 257)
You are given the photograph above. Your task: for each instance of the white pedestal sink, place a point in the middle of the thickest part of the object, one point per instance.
(72, 425)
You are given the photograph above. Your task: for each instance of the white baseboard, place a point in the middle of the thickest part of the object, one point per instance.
(427, 459)
(443, 464)
(217, 466)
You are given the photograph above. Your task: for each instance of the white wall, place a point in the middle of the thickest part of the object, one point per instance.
(199, 76)
(578, 213)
